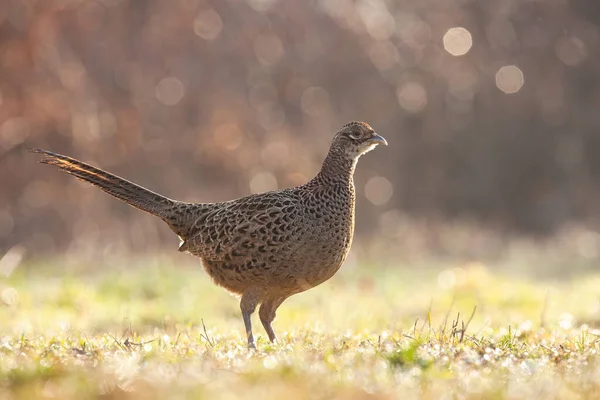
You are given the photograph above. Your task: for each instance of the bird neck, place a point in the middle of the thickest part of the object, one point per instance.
(337, 167)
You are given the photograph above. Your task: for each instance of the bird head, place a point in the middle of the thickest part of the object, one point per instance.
(356, 139)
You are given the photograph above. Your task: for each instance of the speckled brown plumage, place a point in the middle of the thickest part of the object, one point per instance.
(264, 247)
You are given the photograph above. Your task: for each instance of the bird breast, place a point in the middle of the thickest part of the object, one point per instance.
(329, 218)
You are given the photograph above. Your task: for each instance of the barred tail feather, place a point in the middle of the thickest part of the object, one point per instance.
(120, 188)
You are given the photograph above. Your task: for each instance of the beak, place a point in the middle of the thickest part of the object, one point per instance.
(378, 139)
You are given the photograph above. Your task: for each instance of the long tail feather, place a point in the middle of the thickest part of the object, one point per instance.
(118, 187)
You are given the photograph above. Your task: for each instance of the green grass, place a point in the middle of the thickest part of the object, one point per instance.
(148, 329)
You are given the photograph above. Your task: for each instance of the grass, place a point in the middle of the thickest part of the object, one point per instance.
(145, 328)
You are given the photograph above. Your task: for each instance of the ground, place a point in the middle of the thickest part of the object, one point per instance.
(158, 328)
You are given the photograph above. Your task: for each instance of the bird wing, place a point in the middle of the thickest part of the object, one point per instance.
(250, 227)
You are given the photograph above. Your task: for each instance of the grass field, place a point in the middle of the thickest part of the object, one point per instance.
(147, 328)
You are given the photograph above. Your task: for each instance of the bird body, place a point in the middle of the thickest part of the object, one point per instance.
(264, 247)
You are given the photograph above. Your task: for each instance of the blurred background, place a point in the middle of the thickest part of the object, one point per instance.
(491, 110)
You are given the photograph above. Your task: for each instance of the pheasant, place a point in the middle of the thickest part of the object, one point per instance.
(263, 247)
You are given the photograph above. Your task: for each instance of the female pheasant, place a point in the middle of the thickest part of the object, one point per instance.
(265, 247)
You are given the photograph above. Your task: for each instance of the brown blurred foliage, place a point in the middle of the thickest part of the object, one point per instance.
(497, 122)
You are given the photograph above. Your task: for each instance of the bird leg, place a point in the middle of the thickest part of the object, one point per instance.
(267, 313)
(248, 304)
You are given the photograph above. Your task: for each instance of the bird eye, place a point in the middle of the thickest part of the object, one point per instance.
(354, 135)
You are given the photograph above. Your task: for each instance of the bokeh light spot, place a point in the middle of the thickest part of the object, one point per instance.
(169, 91)
(379, 23)
(270, 362)
(446, 279)
(263, 181)
(10, 296)
(412, 96)
(379, 190)
(458, 41)
(228, 136)
(510, 79)
(208, 24)
(566, 321)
